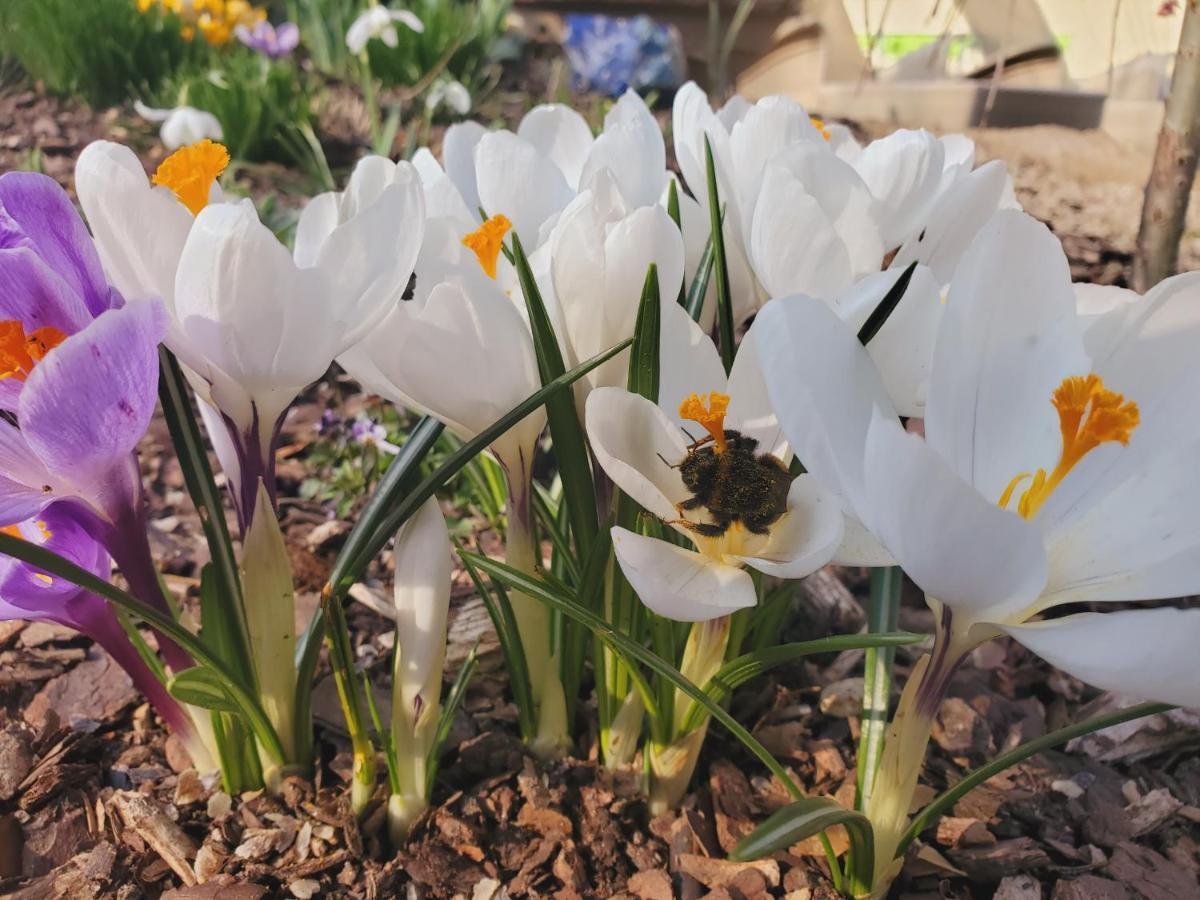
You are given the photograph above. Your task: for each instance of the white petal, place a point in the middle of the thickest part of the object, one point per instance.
(187, 125)
(955, 219)
(750, 410)
(422, 596)
(458, 154)
(638, 447)
(681, 584)
(139, 230)
(807, 537)
(518, 181)
(859, 547)
(1008, 338)
(691, 118)
(821, 267)
(688, 363)
(904, 172)
(982, 562)
(317, 221)
(770, 126)
(408, 19)
(823, 388)
(561, 135)
(1145, 653)
(632, 149)
(903, 348)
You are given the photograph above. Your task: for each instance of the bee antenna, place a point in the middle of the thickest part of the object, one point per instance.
(666, 463)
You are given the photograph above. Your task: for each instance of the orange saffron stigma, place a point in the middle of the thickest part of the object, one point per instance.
(1089, 414)
(487, 240)
(20, 352)
(710, 416)
(190, 172)
(819, 124)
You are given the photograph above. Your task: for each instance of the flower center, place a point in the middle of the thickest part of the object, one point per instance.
(711, 415)
(487, 241)
(20, 352)
(1089, 414)
(819, 124)
(190, 172)
(44, 534)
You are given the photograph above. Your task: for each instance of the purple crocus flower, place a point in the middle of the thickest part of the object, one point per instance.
(80, 370)
(268, 39)
(29, 593)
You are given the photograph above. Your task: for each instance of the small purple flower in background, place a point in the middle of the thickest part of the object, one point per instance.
(270, 40)
(370, 433)
(329, 423)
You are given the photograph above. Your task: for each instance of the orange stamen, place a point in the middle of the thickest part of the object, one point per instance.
(190, 172)
(819, 124)
(486, 242)
(20, 352)
(711, 416)
(1089, 415)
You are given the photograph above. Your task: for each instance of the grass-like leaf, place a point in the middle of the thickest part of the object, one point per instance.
(677, 217)
(886, 306)
(883, 610)
(720, 260)
(54, 564)
(454, 700)
(807, 817)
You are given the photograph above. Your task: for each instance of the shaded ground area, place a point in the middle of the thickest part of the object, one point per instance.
(96, 801)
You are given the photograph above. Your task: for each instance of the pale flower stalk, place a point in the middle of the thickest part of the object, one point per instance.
(1057, 468)
(422, 597)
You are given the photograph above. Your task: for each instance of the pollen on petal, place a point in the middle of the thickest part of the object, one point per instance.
(190, 172)
(486, 242)
(710, 415)
(819, 124)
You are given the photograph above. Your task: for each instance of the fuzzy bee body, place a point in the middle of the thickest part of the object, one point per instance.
(735, 485)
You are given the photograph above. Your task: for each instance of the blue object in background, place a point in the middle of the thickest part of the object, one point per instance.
(611, 55)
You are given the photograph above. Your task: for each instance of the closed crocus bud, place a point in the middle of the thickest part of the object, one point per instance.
(422, 595)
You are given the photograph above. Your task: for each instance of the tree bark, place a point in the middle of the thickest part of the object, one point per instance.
(1174, 169)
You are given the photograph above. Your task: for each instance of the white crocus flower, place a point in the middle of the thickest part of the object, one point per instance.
(1057, 467)
(422, 597)
(377, 21)
(182, 125)
(600, 251)
(253, 323)
(641, 447)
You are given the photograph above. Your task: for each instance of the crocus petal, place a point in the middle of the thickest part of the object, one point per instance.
(458, 154)
(561, 135)
(823, 388)
(23, 486)
(632, 149)
(955, 219)
(688, 363)
(31, 589)
(983, 562)
(691, 119)
(1144, 653)
(859, 547)
(807, 537)
(904, 172)
(518, 181)
(422, 595)
(678, 583)
(750, 410)
(88, 403)
(902, 349)
(122, 210)
(638, 447)
(1008, 338)
(48, 221)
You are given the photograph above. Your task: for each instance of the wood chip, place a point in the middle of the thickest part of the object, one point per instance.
(159, 832)
(653, 884)
(715, 873)
(1018, 887)
(953, 831)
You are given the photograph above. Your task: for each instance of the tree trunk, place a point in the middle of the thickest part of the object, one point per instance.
(1174, 169)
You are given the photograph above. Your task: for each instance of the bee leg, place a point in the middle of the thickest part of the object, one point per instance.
(689, 503)
(701, 528)
(759, 524)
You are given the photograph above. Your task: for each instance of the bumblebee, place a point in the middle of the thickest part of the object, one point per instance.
(727, 477)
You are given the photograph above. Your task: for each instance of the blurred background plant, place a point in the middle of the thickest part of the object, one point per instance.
(104, 51)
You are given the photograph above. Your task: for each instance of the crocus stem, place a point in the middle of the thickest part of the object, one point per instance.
(533, 621)
(672, 765)
(882, 615)
(903, 754)
(412, 741)
(337, 640)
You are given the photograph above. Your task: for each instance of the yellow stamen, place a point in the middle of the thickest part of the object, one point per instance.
(1089, 414)
(15, 531)
(20, 352)
(487, 240)
(710, 416)
(190, 172)
(819, 124)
